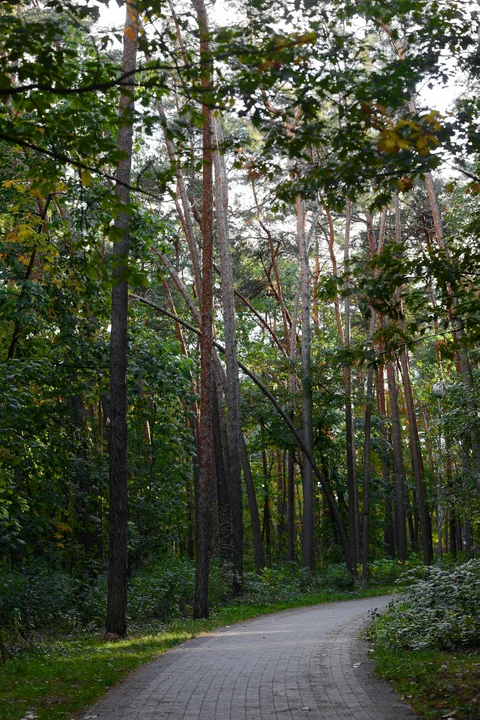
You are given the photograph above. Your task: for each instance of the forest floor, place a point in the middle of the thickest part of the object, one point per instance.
(58, 678)
(436, 684)
(55, 678)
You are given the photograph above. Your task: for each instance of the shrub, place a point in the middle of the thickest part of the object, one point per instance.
(161, 591)
(39, 598)
(285, 582)
(336, 577)
(440, 609)
(386, 571)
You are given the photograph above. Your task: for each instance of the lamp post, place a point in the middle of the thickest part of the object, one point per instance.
(439, 392)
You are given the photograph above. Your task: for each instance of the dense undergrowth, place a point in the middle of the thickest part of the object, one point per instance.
(36, 602)
(439, 610)
(59, 660)
(428, 642)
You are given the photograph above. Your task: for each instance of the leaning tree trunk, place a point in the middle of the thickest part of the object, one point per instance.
(329, 495)
(200, 609)
(116, 620)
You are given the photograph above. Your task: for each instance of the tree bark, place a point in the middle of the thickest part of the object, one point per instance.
(223, 494)
(200, 609)
(308, 559)
(231, 360)
(253, 508)
(291, 505)
(417, 462)
(267, 521)
(389, 530)
(398, 467)
(366, 471)
(352, 479)
(116, 620)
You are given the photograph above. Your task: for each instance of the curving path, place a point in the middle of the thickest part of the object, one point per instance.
(306, 663)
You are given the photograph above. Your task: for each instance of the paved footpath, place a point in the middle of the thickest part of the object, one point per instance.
(307, 663)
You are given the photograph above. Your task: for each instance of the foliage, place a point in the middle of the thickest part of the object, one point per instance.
(314, 99)
(161, 592)
(285, 582)
(439, 610)
(36, 600)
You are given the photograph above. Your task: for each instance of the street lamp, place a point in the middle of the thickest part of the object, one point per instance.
(439, 391)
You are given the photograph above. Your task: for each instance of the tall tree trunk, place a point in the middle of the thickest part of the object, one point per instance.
(253, 507)
(223, 495)
(291, 505)
(366, 471)
(231, 360)
(267, 522)
(308, 559)
(389, 534)
(292, 385)
(344, 337)
(352, 479)
(281, 499)
(116, 620)
(417, 462)
(398, 467)
(200, 609)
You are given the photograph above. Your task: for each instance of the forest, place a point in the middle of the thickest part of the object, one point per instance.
(239, 298)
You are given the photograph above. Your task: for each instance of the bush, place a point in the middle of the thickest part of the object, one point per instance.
(336, 577)
(37, 598)
(161, 591)
(387, 571)
(439, 610)
(285, 582)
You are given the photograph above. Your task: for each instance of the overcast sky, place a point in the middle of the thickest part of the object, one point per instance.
(438, 98)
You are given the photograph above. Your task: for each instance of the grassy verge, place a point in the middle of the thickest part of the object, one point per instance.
(436, 684)
(59, 678)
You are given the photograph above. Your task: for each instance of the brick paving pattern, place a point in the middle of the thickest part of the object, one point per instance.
(307, 663)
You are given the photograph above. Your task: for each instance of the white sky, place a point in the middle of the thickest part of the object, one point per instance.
(439, 97)
(112, 15)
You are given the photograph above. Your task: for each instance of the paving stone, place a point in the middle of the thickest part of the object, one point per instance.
(307, 664)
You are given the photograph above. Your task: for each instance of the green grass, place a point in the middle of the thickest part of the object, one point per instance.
(58, 678)
(436, 684)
